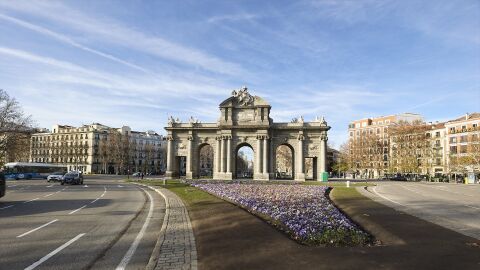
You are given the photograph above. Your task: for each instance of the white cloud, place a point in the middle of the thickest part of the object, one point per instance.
(68, 40)
(111, 31)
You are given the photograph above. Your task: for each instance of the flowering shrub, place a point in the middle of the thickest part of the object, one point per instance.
(304, 212)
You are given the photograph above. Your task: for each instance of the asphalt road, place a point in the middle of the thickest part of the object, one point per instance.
(453, 206)
(103, 224)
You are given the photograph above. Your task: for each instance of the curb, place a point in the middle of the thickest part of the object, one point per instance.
(152, 262)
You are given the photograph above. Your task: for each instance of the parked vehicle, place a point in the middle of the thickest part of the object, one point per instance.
(137, 174)
(73, 178)
(3, 185)
(55, 177)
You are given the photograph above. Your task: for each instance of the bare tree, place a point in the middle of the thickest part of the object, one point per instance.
(15, 129)
(410, 149)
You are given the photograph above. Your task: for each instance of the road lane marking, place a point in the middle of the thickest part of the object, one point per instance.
(375, 190)
(12, 186)
(473, 207)
(48, 195)
(6, 207)
(76, 210)
(51, 254)
(119, 186)
(85, 186)
(131, 251)
(50, 185)
(442, 188)
(103, 194)
(36, 229)
(31, 200)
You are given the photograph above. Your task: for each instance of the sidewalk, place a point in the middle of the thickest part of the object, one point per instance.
(176, 248)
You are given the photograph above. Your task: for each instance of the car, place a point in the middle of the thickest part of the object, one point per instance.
(55, 177)
(3, 185)
(73, 178)
(137, 174)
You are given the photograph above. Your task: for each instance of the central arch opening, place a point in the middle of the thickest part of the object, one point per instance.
(284, 162)
(244, 162)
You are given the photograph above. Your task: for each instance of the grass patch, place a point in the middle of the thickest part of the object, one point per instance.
(190, 195)
(338, 184)
(194, 197)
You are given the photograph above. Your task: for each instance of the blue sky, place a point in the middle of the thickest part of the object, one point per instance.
(136, 63)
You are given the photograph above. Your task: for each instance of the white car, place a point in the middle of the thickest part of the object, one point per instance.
(55, 177)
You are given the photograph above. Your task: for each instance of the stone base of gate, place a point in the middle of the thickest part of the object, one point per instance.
(223, 176)
(300, 177)
(169, 175)
(261, 176)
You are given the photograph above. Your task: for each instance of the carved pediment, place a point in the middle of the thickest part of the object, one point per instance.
(243, 97)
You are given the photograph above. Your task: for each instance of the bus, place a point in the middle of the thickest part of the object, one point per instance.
(26, 170)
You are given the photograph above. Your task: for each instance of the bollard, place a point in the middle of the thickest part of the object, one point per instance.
(348, 184)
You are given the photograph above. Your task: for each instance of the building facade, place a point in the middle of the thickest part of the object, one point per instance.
(245, 122)
(370, 143)
(435, 148)
(463, 138)
(97, 148)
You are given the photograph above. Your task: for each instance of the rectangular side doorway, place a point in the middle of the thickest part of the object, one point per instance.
(310, 166)
(181, 168)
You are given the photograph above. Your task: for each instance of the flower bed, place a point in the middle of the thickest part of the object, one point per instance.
(304, 212)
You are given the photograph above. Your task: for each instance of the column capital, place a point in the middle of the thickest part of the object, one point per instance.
(169, 138)
(190, 138)
(218, 138)
(300, 137)
(324, 137)
(227, 137)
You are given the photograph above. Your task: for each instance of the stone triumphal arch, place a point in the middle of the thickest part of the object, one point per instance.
(245, 121)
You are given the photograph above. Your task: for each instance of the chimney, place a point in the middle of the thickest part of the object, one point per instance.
(466, 116)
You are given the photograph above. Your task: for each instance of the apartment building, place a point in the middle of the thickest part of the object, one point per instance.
(370, 143)
(97, 148)
(463, 149)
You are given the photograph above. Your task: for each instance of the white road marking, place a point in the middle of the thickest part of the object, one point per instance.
(478, 208)
(85, 186)
(103, 194)
(38, 228)
(412, 190)
(48, 195)
(31, 200)
(7, 207)
(375, 190)
(76, 210)
(128, 256)
(50, 185)
(51, 254)
(12, 186)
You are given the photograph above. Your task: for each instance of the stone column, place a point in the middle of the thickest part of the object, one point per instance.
(323, 154)
(299, 170)
(169, 172)
(189, 173)
(222, 155)
(229, 154)
(265, 155)
(217, 155)
(258, 157)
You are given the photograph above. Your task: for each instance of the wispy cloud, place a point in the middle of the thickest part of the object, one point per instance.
(111, 31)
(68, 40)
(233, 17)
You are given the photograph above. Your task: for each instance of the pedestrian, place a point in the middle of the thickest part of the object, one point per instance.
(142, 175)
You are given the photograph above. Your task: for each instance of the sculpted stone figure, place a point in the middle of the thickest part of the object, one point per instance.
(244, 98)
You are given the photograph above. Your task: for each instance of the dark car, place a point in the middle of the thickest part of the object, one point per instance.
(3, 185)
(73, 178)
